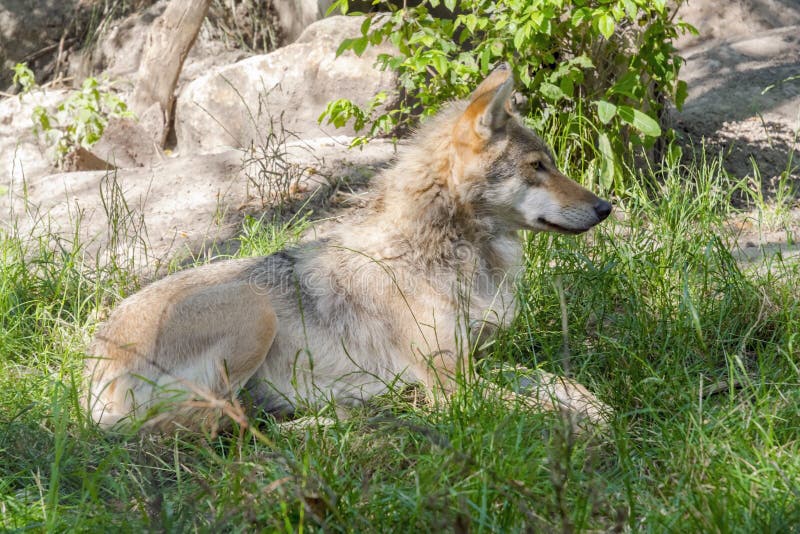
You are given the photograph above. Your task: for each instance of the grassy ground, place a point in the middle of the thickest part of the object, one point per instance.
(697, 355)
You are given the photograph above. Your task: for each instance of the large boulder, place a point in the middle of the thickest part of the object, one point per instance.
(125, 144)
(117, 49)
(182, 204)
(236, 105)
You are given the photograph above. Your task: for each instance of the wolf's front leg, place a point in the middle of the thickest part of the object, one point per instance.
(546, 391)
(549, 392)
(543, 392)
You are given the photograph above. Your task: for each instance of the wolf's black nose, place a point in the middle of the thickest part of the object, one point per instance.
(602, 209)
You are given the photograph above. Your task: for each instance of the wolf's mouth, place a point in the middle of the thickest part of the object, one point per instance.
(558, 228)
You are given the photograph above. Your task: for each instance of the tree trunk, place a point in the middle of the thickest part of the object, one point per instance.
(171, 37)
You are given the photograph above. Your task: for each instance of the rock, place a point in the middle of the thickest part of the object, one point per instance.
(22, 155)
(182, 204)
(118, 51)
(294, 16)
(235, 105)
(125, 144)
(206, 54)
(82, 159)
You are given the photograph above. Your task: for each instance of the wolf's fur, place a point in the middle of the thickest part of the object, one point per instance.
(397, 295)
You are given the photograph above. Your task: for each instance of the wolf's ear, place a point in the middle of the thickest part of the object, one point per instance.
(489, 105)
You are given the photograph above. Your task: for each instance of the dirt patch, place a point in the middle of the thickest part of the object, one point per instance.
(755, 240)
(744, 103)
(743, 100)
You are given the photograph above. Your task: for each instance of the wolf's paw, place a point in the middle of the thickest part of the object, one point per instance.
(579, 406)
(586, 414)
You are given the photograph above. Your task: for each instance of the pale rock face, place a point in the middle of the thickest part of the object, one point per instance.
(120, 44)
(232, 106)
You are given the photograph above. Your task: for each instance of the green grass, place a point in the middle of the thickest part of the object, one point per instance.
(697, 355)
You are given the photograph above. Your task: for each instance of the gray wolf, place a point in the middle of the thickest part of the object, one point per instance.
(399, 295)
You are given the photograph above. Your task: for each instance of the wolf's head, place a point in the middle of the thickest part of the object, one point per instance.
(508, 172)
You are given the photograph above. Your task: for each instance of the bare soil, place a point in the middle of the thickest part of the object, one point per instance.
(742, 99)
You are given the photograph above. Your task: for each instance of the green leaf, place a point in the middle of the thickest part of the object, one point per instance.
(340, 4)
(470, 21)
(359, 45)
(520, 36)
(450, 4)
(685, 27)
(641, 121)
(631, 9)
(41, 119)
(606, 25)
(579, 16)
(567, 86)
(607, 162)
(440, 63)
(605, 111)
(681, 92)
(525, 77)
(627, 85)
(347, 44)
(486, 56)
(582, 61)
(24, 77)
(551, 91)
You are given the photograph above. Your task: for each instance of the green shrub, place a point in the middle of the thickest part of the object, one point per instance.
(610, 61)
(79, 120)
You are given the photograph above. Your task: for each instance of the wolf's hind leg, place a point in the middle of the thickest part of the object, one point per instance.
(183, 365)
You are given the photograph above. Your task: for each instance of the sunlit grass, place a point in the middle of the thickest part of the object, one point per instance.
(697, 355)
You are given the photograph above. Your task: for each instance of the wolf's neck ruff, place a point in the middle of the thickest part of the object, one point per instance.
(431, 201)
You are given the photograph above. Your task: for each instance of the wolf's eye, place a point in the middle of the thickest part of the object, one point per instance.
(536, 165)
